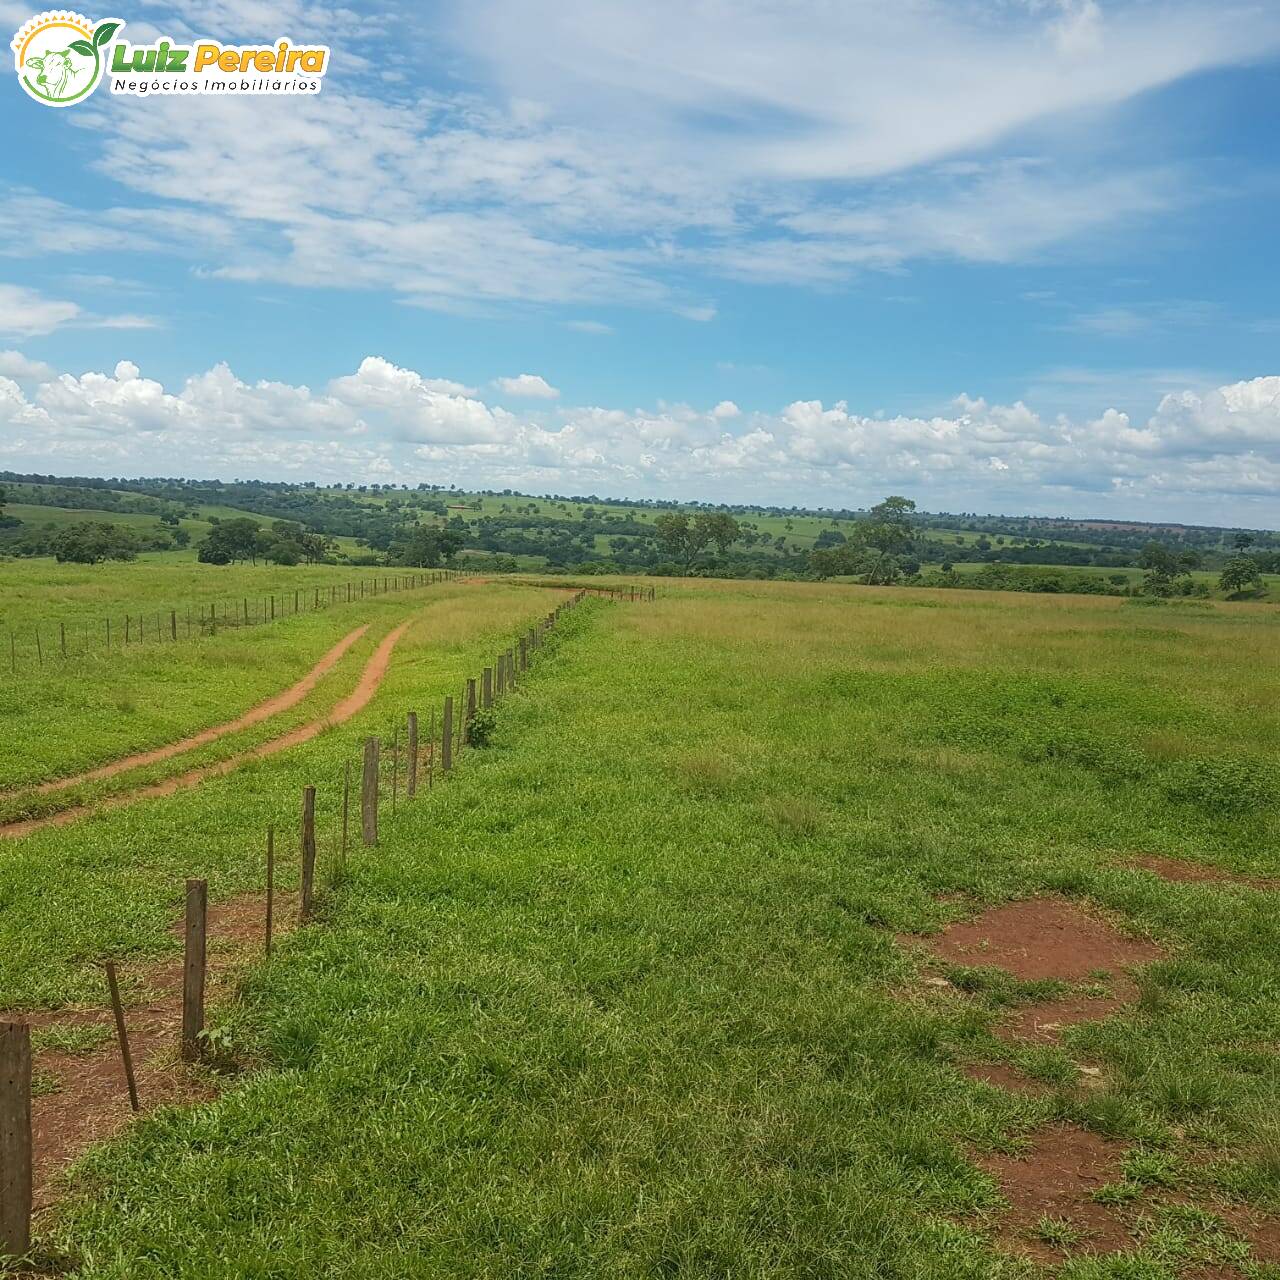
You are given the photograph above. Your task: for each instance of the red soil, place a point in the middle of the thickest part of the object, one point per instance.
(1041, 938)
(1049, 938)
(370, 679)
(1184, 872)
(1056, 1179)
(263, 711)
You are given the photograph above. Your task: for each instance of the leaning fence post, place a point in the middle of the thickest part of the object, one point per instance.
(411, 780)
(122, 1034)
(308, 853)
(446, 736)
(15, 1138)
(369, 793)
(193, 969)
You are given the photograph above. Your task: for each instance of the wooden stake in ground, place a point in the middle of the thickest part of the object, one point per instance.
(15, 1138)
(486, 687)
(369, 793)
(122, 1035)
(193, 967)
(271, 882)
(395, 768)
(471, 699)
(346, 808)
(431, 753)
(446, 737)
(308, 853)
(411, 782)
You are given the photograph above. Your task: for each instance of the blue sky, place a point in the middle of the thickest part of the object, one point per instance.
(1012, 255)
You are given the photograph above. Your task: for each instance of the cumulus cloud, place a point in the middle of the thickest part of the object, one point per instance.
(1212, 454)
(529, 385)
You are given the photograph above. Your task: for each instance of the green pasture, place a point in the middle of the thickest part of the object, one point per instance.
(627, 997)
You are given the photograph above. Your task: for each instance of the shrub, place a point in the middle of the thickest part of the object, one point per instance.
(481, 726)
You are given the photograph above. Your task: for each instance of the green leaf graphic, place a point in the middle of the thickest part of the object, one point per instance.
(105, 32)
(82, 46)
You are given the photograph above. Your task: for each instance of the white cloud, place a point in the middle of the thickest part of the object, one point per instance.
(13, 364)
(635, 146)
(25, 313)
(529, 385)
(589, 326)
(1213, 453)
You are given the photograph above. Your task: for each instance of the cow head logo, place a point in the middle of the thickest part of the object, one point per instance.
(60, 57)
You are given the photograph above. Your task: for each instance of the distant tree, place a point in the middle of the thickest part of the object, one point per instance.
(888, 534)
(230, 541)
(1164, 567)
(91, 543)
(685, 539)
(1242, 541)
(1241, 576)
(428, 547)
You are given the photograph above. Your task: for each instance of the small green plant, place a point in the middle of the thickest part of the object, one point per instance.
(1059, 1232)
(481, 727)
(1117, 1193)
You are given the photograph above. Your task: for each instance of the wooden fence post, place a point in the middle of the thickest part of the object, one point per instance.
(122, 1034)
(308, 853)
(524, 654)
(411, 780)
(271, 881)
(193, 969)
(346, 807)
(511, 668)
(446, 736)
(395, 768)
(15, 1138)
(369, 792)
(486, 687)
(498, 686)
(471, 699)
(431, 756)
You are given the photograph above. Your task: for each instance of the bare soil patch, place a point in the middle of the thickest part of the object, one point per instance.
(1183, 872)
(1056, 1179)
(1041, 938)
(1050, 938)
(1003, 1076)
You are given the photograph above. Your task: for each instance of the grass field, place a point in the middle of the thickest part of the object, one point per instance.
(628, 995)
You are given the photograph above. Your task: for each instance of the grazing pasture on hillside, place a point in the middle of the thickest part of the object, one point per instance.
(768, 930)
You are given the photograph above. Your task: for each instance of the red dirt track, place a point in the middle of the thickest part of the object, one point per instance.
(370, 679)
(263, 711)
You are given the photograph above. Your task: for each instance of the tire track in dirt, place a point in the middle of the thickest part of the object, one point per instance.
(255, 715)
(370, 680)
